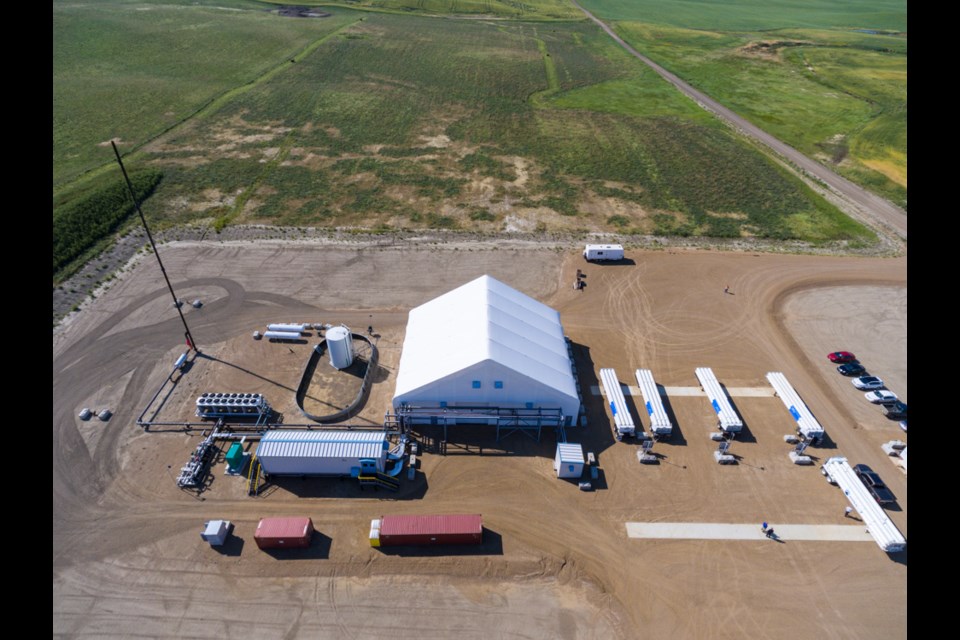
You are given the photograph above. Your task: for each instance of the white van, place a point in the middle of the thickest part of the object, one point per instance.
(599, 252)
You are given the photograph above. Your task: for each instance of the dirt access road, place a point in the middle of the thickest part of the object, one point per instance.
(858, 201)
(556, 562)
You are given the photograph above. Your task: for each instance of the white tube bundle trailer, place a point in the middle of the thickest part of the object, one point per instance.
(727, 419)
(659, 422)
(287, 326)
(618, 404)
(886, 534)
(807, 425)
(282, 335)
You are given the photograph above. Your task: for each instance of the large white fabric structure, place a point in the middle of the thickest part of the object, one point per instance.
(486, 344)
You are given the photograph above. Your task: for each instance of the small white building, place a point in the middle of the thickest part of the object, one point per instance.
(215, 532)
(323, 453)
(568, 462)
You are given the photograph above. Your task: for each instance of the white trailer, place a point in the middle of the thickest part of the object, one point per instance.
(323, 453)
(886, 534)
(807, 425)
(727, 419)
(659, 422)
(600, 252)
(618, 404)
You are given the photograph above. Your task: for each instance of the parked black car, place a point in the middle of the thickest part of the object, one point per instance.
(874, 484)
(852, 369)
(896, 411)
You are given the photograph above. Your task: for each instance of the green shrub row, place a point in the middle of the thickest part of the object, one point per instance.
(78, 225)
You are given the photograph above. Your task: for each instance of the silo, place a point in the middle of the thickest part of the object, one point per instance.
(340, 345)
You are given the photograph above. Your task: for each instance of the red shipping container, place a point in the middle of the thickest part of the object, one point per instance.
(283, 533)
(424, 530)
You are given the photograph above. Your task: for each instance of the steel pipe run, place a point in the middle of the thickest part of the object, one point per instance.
(247, 428)
(169, 378)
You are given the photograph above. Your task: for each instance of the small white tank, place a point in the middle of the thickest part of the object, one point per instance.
(105, 415)
(85, 413)
(340, 346)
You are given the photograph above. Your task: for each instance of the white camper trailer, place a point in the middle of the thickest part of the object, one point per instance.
(600, 252)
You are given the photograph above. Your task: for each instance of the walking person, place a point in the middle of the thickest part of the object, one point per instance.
(726, 289)
(846, 512)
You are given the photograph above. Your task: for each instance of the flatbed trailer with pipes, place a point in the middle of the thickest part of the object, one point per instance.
(659, 421)
(838, 471)
(727, 419)
(807, 425)
(623, 422)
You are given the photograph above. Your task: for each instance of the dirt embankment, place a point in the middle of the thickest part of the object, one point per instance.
(104, 270)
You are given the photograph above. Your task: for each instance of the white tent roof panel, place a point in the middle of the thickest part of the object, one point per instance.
(484, 321)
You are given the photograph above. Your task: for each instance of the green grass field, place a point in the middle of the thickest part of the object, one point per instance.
(393, 121)
(526, 9)
(756, 15)
(131, 70)
(394, 124)
(838, 97)
(828, 78)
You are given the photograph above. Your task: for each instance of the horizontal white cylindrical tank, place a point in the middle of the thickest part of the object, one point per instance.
(85, 413)
(340, 345)
(180, 361)
(282, 335)
(299, 328)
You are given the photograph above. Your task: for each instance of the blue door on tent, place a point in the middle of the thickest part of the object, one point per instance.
(368, 466)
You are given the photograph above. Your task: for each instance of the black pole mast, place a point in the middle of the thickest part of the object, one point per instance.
(176, 303)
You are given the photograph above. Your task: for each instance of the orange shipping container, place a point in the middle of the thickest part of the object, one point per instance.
(282, 533)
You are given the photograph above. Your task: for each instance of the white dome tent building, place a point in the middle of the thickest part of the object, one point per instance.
(486, 353)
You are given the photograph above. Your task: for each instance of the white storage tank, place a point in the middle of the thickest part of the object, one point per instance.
(340, 346)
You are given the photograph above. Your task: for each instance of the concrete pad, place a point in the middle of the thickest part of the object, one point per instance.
(720, 531)
(733, 392)
(750, 392)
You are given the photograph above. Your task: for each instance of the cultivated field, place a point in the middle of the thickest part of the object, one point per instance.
(733, 15)
(388, 121)
(556, 562)
(130, 71)
(527, 10)
(829, 79)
